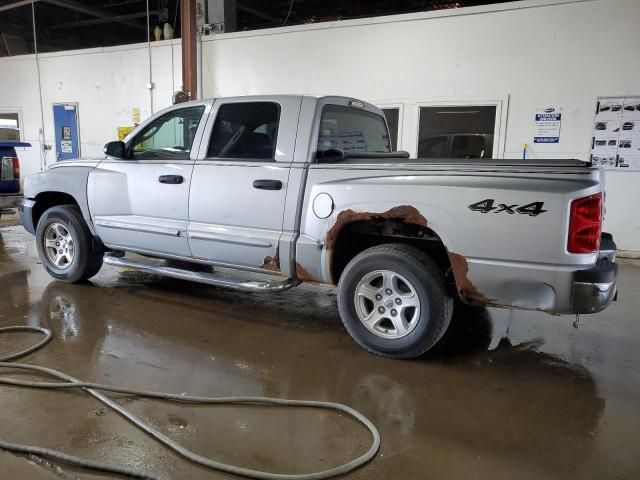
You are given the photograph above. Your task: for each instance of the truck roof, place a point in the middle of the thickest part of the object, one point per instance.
(264, 97)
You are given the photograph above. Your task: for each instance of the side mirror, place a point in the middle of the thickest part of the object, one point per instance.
(115, 150)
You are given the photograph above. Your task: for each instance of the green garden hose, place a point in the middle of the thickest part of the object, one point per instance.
(94, 389)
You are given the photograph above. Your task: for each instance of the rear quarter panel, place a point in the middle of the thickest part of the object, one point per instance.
(501, 258)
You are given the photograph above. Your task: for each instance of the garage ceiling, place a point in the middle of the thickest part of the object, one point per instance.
(309, 11)
(73, 24)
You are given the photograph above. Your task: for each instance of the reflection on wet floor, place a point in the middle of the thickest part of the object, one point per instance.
(506, 395)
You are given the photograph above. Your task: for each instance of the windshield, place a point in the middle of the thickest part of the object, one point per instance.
(352, 130)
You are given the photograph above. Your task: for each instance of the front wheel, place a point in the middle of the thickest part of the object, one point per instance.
(65, 245)
(393, 301)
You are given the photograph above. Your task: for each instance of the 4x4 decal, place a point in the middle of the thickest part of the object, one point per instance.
(485, 206)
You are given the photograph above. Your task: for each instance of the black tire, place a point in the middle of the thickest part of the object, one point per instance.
(428, 281)
(86, 261)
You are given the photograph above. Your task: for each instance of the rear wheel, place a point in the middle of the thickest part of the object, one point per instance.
(65, 245)
(393, 301)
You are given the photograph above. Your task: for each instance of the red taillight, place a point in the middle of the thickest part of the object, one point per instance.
(16, 168)
(585, 224)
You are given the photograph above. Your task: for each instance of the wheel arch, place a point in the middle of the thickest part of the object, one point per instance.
(354, 232)
(46, 200)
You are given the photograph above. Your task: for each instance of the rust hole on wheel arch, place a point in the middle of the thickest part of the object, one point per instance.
(405, 213)
(466, 288)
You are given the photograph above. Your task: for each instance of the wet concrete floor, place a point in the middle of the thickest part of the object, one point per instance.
(508, 395)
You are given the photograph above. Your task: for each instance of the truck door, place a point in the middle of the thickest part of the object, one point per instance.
(65, 120)
(140, 203)
(237, 198)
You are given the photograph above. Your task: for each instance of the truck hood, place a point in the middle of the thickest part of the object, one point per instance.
(76, 162)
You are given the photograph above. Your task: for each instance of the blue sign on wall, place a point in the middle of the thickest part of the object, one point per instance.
(547, 127)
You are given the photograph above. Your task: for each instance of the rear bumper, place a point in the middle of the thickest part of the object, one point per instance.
(9, 200)
(595, 288)
(25, 210)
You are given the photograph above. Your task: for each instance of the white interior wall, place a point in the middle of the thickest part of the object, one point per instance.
(106, 83)
(526, 55)
(19, 92)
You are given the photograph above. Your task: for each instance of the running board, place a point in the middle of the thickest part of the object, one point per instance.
(202, 277)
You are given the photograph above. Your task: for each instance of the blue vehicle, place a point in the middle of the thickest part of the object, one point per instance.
(10, 174)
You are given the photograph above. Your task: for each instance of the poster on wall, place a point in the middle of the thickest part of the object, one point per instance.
(66, 146)
(123, 132)
(615, 143)
(547, 126)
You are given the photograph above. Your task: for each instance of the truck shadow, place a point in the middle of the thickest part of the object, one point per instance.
(471, 331)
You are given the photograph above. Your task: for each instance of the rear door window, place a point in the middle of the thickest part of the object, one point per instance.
(247, 130)
(352, 129)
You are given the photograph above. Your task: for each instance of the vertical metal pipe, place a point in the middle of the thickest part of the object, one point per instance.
(189, 49)
(43, 138)
(199, 65)
(150, 85)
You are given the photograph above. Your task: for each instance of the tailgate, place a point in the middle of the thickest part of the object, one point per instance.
(10, 167)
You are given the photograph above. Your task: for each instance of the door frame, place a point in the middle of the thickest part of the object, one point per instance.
(400, 107)
(77, 109)
(283, 159)
(121, 222)
(17, 111)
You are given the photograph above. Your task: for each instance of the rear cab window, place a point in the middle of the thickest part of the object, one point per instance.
(352, 130)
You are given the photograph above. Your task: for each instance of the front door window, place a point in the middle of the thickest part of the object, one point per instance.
(168, 136)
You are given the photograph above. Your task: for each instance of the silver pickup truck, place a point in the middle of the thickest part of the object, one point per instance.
(306, 189)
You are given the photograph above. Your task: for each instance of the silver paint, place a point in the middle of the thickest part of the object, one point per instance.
(323, 205)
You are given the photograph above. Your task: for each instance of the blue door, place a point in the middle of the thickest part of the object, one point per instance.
(65, 120)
